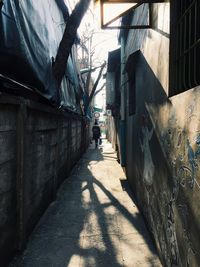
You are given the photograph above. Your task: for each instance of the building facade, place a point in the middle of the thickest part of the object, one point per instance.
(159, 85)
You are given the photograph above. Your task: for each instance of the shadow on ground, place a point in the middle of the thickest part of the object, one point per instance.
(93, 222)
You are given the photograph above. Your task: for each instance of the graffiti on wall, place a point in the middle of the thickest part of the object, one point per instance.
(182, 147)
(149, 168)
(147, 172)
(170, 217)
(179, 137)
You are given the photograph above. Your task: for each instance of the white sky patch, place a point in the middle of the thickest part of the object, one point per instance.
(70, 4)
(111, 11)
(99, 42)
(102, 40)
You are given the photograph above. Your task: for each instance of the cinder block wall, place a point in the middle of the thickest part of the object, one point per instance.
(39, 147)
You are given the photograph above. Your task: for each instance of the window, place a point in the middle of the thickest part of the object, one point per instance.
(185, 45)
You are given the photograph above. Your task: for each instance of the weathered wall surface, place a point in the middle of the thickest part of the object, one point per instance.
(8, 169)
(163, 148)
(111, 132)
(39, 146)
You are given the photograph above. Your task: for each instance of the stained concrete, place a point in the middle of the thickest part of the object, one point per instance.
(93, 222)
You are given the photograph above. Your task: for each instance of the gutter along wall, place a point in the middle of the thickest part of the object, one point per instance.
(162, 142)
(39, 147)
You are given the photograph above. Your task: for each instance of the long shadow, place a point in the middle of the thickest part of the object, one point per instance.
(111, 256)
(59, 238)
(134, 220)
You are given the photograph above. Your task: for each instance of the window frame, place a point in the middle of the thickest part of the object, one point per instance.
(184, 73)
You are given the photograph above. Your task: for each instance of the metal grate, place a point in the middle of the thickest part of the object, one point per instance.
(186, 70)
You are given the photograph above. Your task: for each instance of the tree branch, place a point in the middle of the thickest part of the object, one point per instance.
(68, 39)
(99, 89)
(95, 85)
(86, 70)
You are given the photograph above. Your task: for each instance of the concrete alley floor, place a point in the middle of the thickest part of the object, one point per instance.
(93, 222)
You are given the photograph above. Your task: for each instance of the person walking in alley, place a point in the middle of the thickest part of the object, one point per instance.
(96, 133)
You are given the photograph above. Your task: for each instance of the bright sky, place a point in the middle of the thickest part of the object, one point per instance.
(102, 41)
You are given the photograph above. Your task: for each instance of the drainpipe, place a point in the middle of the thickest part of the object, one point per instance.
(122, 108)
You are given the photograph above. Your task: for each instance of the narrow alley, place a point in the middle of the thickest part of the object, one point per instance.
(93, 222)
(72, 71)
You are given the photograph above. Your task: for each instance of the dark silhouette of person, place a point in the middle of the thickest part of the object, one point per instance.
(96, 133)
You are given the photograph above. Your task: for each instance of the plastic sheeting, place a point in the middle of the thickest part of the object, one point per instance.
(30, 33)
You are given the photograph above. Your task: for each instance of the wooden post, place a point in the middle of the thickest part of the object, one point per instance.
(20, 190)
(83, 135)
(56, 170)
(69, 145)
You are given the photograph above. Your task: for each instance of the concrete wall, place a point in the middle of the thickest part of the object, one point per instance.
(110, 88)
(112, 131)
(8, 170)
(163, 146)
(39, 146)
